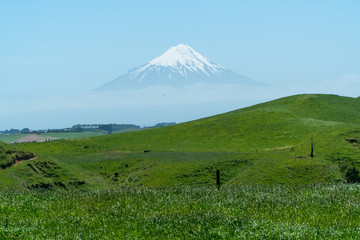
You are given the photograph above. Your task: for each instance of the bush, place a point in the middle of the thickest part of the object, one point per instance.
(352, 175)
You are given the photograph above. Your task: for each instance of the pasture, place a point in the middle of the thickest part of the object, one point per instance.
(232, 212)
(160, 183)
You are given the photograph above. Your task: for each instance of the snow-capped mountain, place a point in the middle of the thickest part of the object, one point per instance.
(178, 66)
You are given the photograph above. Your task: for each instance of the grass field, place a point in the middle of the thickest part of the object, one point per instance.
(9, 138)
(243, 212)
(267, 143)
(160, 183)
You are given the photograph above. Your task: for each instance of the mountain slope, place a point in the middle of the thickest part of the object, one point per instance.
(178, 66)
(265, 143)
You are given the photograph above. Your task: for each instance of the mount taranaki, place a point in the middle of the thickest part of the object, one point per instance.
(178, 66)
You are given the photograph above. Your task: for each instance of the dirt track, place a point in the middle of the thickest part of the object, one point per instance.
(18, 162)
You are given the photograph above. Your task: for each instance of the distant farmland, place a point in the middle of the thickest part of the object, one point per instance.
(9, 138)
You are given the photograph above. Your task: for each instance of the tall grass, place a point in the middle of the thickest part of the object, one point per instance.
(255, 212)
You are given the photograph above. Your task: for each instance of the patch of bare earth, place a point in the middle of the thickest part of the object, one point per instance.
(21, 161)
(34, 138)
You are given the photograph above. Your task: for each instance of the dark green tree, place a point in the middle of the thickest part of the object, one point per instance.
(25, 130)
(106, 127)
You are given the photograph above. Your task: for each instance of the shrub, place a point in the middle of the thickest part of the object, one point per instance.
(352, 175)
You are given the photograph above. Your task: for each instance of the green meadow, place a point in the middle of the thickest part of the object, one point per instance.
(288, 168)
(269, 143)
(232, 212)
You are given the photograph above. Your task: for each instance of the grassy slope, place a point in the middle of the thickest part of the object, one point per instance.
(265, 143)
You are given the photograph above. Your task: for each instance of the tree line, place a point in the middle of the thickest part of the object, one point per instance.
(109, 128)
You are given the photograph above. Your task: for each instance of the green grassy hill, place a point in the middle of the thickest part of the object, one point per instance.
(262, 144)
(9, 159)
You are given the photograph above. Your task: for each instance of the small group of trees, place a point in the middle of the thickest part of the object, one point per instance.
(16, 131)
(88, 128)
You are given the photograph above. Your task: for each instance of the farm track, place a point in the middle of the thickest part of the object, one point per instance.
(21, 161)
(17, 162)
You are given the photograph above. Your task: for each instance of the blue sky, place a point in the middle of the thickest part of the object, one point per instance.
(67, 47)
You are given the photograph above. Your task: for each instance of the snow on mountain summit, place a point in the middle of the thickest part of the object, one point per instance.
(178, 66)
(183, 55)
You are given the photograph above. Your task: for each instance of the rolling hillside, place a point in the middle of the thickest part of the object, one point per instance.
(262, 144)
(9, 156)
